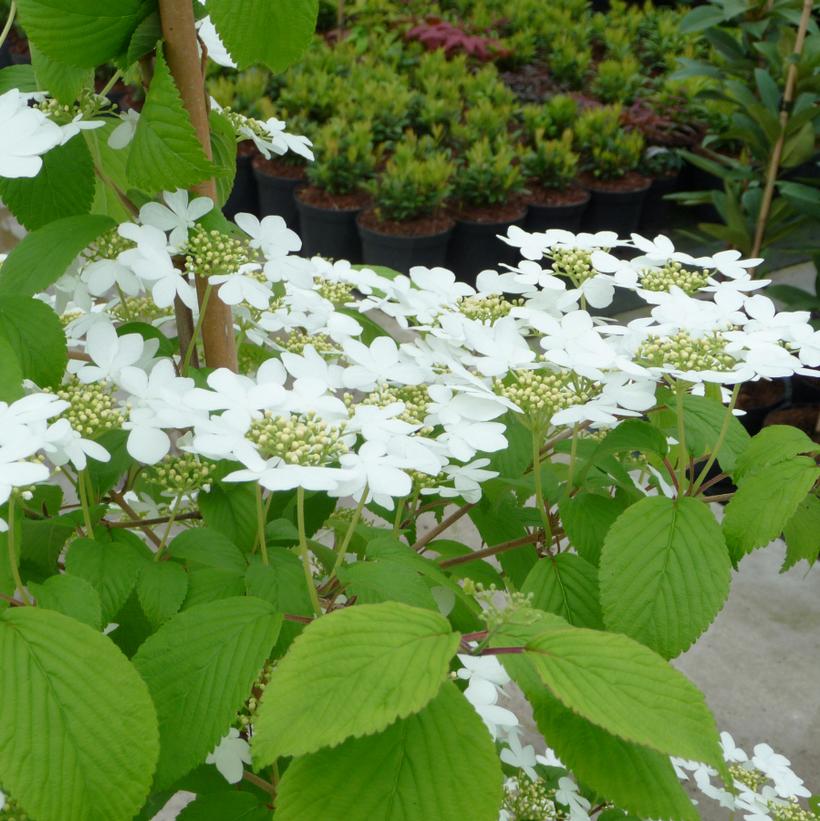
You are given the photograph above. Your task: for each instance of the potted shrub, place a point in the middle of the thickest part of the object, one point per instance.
(554, 199)
(662, 165)
(611, 155)
(617, 81)
(406, 227)
(329, 205)
(486, 188)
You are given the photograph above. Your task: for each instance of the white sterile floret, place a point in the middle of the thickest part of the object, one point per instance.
(230, 756)
(176, 216)
(15, 470)
(213, 43)
(122, 135)
(103, 274)
(568, 795)
(498, 348)
(76, 125)
(482, 693)
(63, 444)
(532, 245)
(111, 353)
(372, 467)
(381, 361)
(518, 756)
(466, 480)
(243, 286)
(270, 235)
(313, 365)
(25, 135)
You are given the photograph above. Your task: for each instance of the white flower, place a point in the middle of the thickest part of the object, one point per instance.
(374, 467)
(111, 353)
(277, 475)
(568, 795)
(178, 215)
(103, 274)
(498, 348)
(488, 668)
(242, 287)
(522, 758)
(124, 132)
(230, 755)
(466, 480)
(14, 470)
(777, 768)
(381, 361)
(728, 263)
(532, 245)
(279, 138)
(213, 43)
(310, 364)
(483, 695)
(77, 125)
(271, 235)
(64, 444)
(25, 135)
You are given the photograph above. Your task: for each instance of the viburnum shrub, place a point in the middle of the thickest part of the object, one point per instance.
(237, 575)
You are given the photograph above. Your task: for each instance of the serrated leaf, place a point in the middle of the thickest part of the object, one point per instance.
(223, 148)
(144, 38)
(42, 542)
(566, 585)
(209, 548)
(71, 596)
(62, 81)
(225, 806)
(59, 679)
(34, 332)
(360, 668)
(664, 573)
(586, 518)
(165, 153)
(386, 580)
(20, 77)
(621, 686)
(63, 188)
(802, 534)
(775, 443)
(11, 374)
(44, 255)
(210, 584)
(76, 33)
(703, 420)
(635, 778)
(765, 502)
(161, 589)
(199, 668)
(438, 764)
(275, 33)
(111, 568)
(104, 475)
(231, 510)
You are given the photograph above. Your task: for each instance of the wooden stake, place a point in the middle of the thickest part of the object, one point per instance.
(179, 31)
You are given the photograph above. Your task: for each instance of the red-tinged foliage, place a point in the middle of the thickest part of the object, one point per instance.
(434, 34)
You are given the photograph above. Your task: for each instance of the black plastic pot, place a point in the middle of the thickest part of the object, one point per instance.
(475, 246)
(567, 216)
(655, 214)
(276, 196)
(400, 252)
(695, 178)
(329, 232)
(243, 196)
(5, 54)
(756, 412)
(618, 211)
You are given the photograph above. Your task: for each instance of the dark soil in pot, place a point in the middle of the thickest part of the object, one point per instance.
(5, 54)
(759, 399)
(328, 223)
(19, 52)
(555, 208)
(401, 245)
(805, 389)
(616, 204)
(276, 184)
(243, 197)
(475, 246)
(656, 210)
(804, 417)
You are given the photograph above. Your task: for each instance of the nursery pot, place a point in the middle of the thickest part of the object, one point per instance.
(382, 244)
(329, 232)
(558, 211)
(615, 205)
(761, 398)
(474, 245)
(243, 196)
(655, 214)
(276, 193)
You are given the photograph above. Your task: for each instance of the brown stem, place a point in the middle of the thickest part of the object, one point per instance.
(785, 106)
(439, 529)
(492, 551)
(159, 520)
(120, 500)
(79, 355)
(11, 600)
(254, 779)
(177, 18)
(723, 497)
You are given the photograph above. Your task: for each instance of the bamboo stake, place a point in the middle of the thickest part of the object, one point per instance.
(785, 106)
(179, 32)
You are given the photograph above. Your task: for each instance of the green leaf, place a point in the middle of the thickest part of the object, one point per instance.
(775, 443)
(11, 374)
(161, 589)
(64, 188)
(76, 32)
(165, 153)
(386, 580)
(273, 32)
(703, 419)
(64, 82)
(43, 256)
(586, 518)
(71, 596)
(42, 543)
(566, 585)
(210, 584)
(111, 568)
(700, 18)
(802, 534)
(20, 77)
(223, 147)
(104, 475)
(199, 668)
(764, 504)
(231, 510)
(664, 573)
(360, 668)
(34, 332)
(226, 806)
(208, 548)
(439, 764)
(622, 686)
(62, 685)
(145, 37)
(637, 779)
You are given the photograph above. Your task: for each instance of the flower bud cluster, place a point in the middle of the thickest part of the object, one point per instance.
(686, 353)
(790, 810)
(181, 474)
(61, 113)
(12, 811)
(336, 292)
(542, 393)
(306, 440)
(212, 252)
(138, 308)
(673, 273)
(525, 799)
(297, 339)
(574, 263)
(415, 397)
(92, 409)
(247, 714)
(108, 246)
(486, 307)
